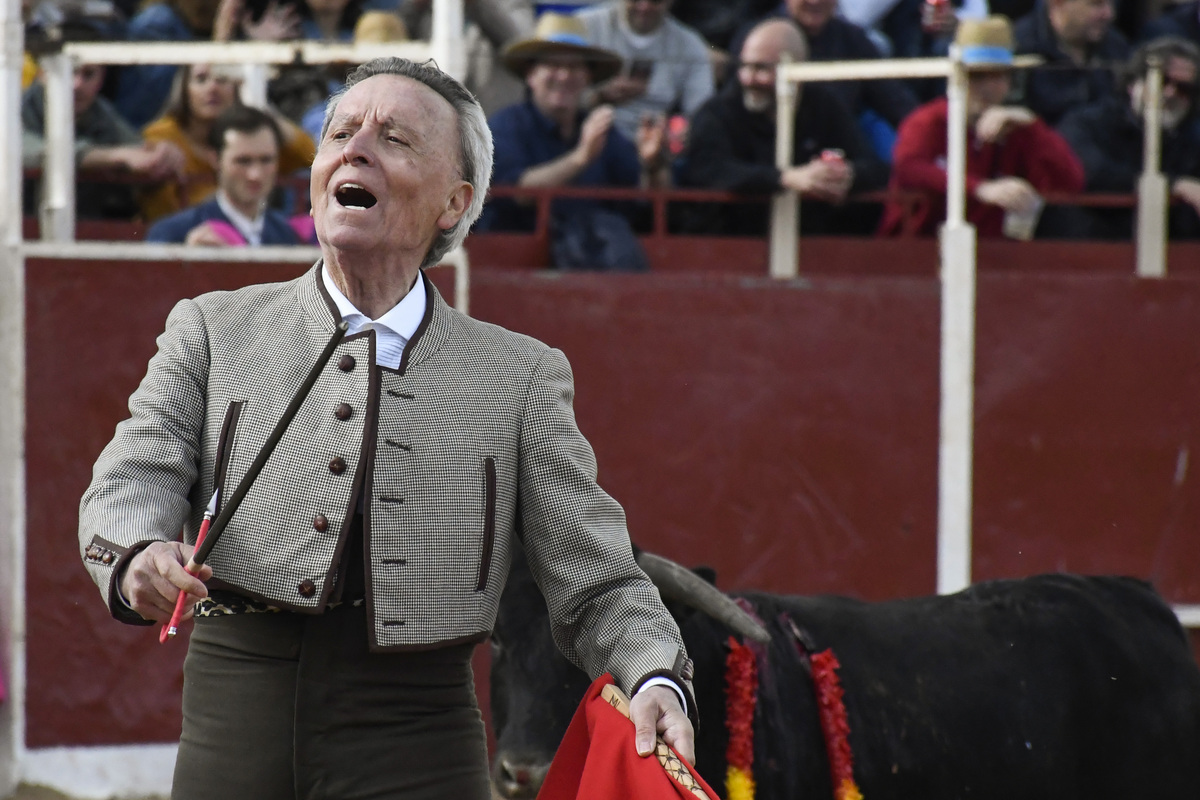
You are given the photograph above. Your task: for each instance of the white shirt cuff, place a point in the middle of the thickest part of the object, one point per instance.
(660, 681)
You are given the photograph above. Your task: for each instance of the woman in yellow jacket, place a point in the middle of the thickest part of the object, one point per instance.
(199, 95)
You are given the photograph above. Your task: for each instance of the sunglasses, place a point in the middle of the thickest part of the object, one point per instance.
(1182, 88)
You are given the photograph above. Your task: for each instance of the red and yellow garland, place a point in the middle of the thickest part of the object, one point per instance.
(834, 725)
(741, 696)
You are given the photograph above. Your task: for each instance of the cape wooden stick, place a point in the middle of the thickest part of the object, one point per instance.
(205, 546)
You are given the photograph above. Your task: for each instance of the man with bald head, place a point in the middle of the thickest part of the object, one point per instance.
(732, 145)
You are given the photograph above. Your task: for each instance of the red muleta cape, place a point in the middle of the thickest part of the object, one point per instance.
(597, 760)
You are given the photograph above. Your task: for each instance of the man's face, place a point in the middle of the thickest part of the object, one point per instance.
(88, 80)
(1082, 22)
(812, 14)
(645, 16)
(557, 82)
(247, 168)
(386, 176)
(756, 72)
(1178, 92)
(985, 89)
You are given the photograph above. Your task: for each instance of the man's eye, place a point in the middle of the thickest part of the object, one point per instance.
(395, 140)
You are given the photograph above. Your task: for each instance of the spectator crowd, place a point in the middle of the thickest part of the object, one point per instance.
(652, 94)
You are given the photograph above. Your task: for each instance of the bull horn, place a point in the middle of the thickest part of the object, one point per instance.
(677, 582)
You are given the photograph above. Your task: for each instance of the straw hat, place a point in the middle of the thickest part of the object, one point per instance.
(379, 27)
(988, 44)
(558, 34)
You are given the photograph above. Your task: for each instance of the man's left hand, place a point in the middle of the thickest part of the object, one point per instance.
(656, 710)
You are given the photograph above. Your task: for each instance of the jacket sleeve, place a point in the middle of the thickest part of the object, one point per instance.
(918, 161)
(142, 481)
(1104, 171)
(714, 163)
(605, 613)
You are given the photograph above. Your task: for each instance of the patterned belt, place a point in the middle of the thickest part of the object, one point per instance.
(223, 604)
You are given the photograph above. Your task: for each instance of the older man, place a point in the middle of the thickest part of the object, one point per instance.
(247, 142)
(1108, 136)
(1081, 47)
(732, 146)
(331, 652)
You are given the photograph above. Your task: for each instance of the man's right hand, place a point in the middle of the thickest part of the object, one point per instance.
(156, 161)
(1011, 194)
(594, 133)
(1187, 190)
(819, 179)
(154, 578)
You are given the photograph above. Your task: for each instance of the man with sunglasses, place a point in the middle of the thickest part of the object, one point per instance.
(1108, 137)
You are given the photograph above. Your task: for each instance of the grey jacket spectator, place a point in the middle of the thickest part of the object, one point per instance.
(103, 140)
(1081, 49)
(667, 68)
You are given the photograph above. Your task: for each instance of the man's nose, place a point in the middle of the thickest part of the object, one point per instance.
(358, 148)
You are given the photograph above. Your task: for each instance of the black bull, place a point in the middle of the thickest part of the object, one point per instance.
(1055, 687)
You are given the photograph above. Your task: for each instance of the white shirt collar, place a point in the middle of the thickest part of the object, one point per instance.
(393, 329)
(250, 229)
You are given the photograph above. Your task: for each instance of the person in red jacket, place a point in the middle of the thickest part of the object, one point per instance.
(1013, 157)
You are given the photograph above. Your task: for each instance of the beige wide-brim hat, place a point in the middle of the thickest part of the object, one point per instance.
(380, 27)
(560, 34)
(988, 44)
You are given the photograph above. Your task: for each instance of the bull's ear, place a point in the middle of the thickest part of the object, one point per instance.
(708, 573)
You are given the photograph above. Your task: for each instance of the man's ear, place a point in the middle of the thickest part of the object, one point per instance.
(456, 206)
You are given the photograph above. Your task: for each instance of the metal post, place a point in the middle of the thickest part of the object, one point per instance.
(446, 37)
(254, 85)
(12, 405)
(1152, 184)
(785, 206)
(956, 412)
(58, 171)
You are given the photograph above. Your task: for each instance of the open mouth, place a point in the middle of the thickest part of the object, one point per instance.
(351, 195)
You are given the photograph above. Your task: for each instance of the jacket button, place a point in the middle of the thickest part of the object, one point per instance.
(306, 588)
(320, 523)
(343, 411)
(337, 466)
(346, 363)
(107, 557)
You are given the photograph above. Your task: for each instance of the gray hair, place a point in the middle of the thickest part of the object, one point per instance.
(474, 137)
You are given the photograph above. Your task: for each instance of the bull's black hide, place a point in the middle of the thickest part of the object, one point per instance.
(1056, 686)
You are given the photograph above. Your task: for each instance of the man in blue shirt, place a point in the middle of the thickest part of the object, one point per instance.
(247, 142)
(548, 140)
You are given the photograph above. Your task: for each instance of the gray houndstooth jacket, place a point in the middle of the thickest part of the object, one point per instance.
(470, 442)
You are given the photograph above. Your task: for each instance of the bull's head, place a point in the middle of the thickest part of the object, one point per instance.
(535, 690)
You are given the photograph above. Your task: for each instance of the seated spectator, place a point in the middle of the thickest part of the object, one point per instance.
(879, 105)
(143, 89)
(1012, 155)
(1081, 49)
(1108, 138)
(549, 140)
(200, 94)
(732, 146)
(247, 142)
(667, 68)
(1182, 20)
(103, 141)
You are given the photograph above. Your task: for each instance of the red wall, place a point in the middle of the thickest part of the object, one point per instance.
(783, 432)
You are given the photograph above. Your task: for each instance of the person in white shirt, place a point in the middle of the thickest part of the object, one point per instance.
(668, 66)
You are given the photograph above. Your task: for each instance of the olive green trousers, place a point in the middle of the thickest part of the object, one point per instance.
(283, 706)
